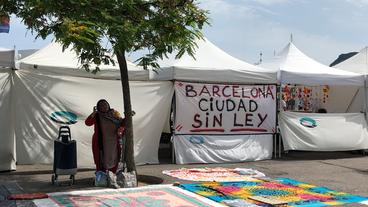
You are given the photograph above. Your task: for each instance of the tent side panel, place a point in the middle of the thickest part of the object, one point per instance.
(7, 58)
(222, 149)
(7, 146)
(323, 132)
(41, 95)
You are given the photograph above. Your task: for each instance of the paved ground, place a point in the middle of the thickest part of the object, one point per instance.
(341, 171)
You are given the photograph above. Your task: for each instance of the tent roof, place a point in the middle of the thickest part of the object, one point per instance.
(53, 59)
(211, 64)
(357, 64)
(297, 68)
(5, 49)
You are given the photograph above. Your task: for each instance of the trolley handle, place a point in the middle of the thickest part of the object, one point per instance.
(64, 131)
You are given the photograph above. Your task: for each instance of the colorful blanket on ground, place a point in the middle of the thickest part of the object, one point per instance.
(217, 174)
(157, 196)
(291, 192)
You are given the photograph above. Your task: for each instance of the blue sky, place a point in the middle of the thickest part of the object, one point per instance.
(243, 28)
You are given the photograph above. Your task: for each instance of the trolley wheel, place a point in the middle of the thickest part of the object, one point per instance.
(72, 179)
(53, 179)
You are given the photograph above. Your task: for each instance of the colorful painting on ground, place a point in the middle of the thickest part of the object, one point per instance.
(158, 196)
(281, 190)
(217, 174)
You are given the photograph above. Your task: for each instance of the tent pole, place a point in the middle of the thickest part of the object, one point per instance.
(352, 100)
(172, 125)
(365, 87)
(365, 97)
(277, 135)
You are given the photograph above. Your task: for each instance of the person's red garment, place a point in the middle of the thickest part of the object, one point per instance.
(91, 120)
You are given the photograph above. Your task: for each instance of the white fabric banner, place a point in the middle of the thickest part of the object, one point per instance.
(221, 149)
(224, 109)
(39, 95)
(323, 132)
(7, 146)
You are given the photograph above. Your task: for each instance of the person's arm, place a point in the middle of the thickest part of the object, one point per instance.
(91, 119)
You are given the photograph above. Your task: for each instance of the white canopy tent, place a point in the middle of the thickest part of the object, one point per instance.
(357, 64)
(53, 58)
(211, 64)
(50, 80)
(297, 68)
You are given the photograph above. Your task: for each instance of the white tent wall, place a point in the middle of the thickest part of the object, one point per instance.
(51, 80)
(7, 146)
(344, 99)
(7, 58)
(332, 132)
(40, 94)
(222, 149)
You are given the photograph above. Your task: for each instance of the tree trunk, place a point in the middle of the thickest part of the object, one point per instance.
(129, 149)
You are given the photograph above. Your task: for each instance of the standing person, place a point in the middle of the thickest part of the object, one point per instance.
(107, 131)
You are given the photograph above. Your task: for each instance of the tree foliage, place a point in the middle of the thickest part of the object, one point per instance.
(160, 26)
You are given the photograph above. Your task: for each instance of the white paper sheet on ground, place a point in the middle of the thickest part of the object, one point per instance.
(323, 132)
(39, 95)
(365, 202)
(220, 149)
(250, 172)
(50, 203)
(239, 203)
(217, 174)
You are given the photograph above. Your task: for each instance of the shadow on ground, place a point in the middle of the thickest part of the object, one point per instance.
(308, 155)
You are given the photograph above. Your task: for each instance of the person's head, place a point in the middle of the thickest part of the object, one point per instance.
(103, 106)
